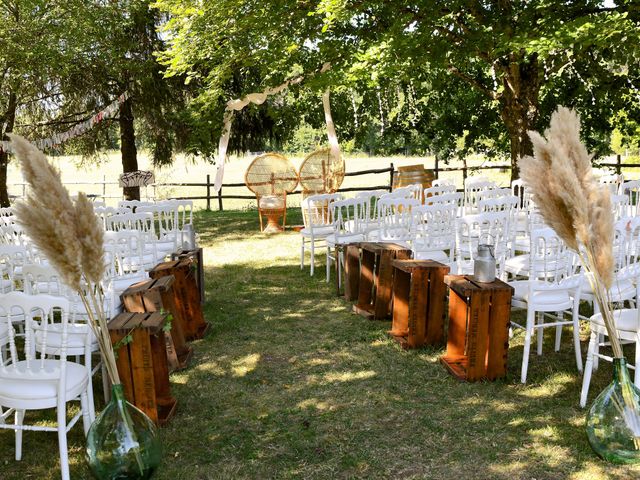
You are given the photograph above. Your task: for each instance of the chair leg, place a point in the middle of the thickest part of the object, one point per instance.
(636, 375)
(588, 368)
(62, 439)
(527, 344)
(328, 263)
(86, 411)
(302, 255)
(558, 333)
(19, 419)
(313, 257)
(576, 337)
(540, 337)
(596, 350)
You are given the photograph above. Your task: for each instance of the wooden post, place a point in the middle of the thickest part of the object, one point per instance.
(618, 164)
(104, 188)
(391, 176)
(220, 198)
(437, 168)
(208, 192)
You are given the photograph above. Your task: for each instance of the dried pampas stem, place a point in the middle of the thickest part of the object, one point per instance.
(69, 234)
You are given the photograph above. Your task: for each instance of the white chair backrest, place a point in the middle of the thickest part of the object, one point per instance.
(613, 181)
(433, 228)
(317, 210)
(442, 181)
(165, 215)
(408, 191)
(127, 250)
(372, 197)
(6, 212)
(550, 260)
(439, 190)
(620, 205)
(39, 313)
(395, 219)
(133, 204)
(481, 228)
(471, 191)
(43, 279)
(494, 193)
(142, 222)
(632, 190)
(350, 217)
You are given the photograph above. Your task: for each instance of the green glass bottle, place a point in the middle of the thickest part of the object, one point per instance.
(123, 443)
(613, 421)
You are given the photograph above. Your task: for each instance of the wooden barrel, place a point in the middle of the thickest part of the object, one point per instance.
(412, 174)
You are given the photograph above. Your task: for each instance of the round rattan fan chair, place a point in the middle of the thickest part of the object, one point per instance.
(271, 176)
(321, 172)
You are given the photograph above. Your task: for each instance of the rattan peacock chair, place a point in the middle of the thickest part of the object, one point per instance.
(321, 172)
(271, 176)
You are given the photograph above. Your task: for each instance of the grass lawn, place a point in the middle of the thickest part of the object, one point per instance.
(289, 384)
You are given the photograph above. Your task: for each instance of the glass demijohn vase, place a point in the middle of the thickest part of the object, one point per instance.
(122, 442)
(613, 421)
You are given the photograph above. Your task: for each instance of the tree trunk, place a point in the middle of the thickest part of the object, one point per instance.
(128, 147)
(10, 120)
(519, 106)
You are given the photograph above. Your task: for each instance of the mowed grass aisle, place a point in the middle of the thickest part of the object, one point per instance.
(290, 384)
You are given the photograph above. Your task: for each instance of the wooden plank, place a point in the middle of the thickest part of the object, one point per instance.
(352, 272)
(458, 319)
(437, 298)
(366, 278)
(499, 334)
(382, 302)
(419, 290)
(143, 376)
(400, 319)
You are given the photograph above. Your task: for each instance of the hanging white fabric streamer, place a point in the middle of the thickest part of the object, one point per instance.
(331, 130)
(238, 104)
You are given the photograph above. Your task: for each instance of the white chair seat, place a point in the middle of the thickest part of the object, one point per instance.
(344, 239)
(627, 319)
(23, 389)
(75, 339)
(436, 255)
(518, 265)
(549, 297)
(120, 284)
(318, 232)
(620, 290)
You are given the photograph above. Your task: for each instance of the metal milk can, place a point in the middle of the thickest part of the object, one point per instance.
(484, 265)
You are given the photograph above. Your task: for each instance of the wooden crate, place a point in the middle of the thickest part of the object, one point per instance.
(186, 296)
(351, 272)
(142, 363)
(478, 336)
(376, 278)
(196, 256)
(419, 299)
(156, 295)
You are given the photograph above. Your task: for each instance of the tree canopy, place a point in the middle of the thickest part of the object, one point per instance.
(491, 69)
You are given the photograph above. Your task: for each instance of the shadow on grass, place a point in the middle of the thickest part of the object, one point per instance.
(301, 388)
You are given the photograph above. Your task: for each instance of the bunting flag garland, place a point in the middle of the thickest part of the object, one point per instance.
(80, 128)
